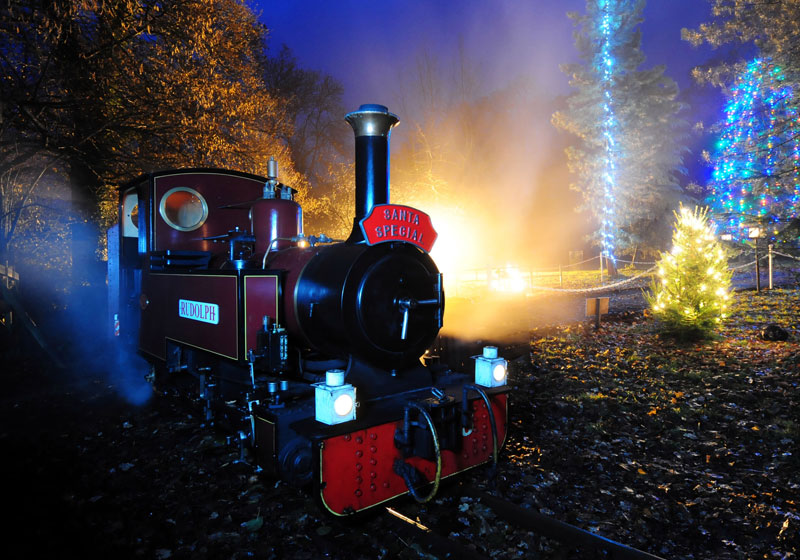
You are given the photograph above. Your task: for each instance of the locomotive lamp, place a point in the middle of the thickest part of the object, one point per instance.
(490, 371)
(335, 400)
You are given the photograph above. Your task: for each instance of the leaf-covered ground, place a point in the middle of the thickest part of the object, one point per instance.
(683, 450)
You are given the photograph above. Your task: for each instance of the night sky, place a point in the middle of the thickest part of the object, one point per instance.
(367, 45)
(372, 48)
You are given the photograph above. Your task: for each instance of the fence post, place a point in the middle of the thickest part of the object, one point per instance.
(758, 270)
(601, 267)
(769, 260)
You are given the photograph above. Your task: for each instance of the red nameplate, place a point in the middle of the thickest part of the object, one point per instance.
(393, 222)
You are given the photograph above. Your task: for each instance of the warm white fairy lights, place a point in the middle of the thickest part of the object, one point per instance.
(693, 291)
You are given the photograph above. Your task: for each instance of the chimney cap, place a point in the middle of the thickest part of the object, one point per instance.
(373, 108)
(372, 119)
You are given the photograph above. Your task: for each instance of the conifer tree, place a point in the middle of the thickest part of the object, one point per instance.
(756, 177)
(756, 160)
(629, 157)
(771, 26)
(691, 295)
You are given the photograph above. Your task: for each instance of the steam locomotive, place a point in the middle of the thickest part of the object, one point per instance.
(313, 351)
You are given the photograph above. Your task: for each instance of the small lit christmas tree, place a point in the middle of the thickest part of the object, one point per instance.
(691, 295)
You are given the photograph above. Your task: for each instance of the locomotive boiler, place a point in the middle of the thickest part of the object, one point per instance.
(311, 350)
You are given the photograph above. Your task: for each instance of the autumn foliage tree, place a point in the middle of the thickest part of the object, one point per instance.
(111, 89)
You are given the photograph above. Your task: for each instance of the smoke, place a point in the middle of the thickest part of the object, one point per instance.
(423, 59)
(69, 305)
(92, 352)
(482, 98)
(501, 55)
(94, 345)
(501, 202)
(509, 204)
(128, 377)
(475, 148)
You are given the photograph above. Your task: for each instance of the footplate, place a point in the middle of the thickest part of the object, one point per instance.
(356, 469)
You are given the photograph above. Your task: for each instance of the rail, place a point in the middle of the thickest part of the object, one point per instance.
(438, 546)
(427, 541)
(560, 531)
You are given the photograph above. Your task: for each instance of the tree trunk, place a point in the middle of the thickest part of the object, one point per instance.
(84, 185)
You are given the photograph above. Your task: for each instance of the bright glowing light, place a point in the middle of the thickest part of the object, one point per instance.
(458, 247)
(508, 279)
(499, 372)
(464, 245)
(334, 404)
(490, 370)
(343, 405)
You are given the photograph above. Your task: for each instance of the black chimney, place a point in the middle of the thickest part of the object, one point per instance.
(372, 125)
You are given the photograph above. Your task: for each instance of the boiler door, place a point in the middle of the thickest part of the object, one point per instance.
(381, 304)
(397, 304)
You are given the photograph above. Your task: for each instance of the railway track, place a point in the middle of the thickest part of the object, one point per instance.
(426, 540)
(563, 539)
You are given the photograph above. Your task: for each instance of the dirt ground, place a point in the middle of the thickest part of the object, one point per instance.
(91, 475)
(94, 475)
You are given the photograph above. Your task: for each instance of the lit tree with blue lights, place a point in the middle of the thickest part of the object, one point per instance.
(629, 123)
(756, 161)
(756, 176)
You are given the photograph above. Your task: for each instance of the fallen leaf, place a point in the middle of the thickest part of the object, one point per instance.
(254, 524)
